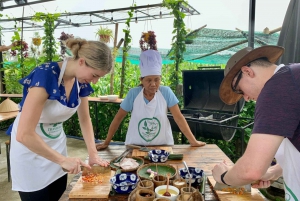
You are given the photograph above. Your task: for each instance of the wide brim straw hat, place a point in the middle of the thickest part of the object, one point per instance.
(8, 106)
(240, 59)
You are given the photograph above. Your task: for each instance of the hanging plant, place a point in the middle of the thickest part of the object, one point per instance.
(49, 43)
(37, 40)
(20, 48)
(105, 34)
(62, 39)
(148, 41)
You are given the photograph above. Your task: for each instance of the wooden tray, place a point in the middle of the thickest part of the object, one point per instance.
(90, 190)
(137, 152)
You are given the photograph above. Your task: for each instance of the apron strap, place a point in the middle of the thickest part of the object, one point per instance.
(62, 70)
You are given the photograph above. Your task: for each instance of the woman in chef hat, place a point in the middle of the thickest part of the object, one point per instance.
(148, 104)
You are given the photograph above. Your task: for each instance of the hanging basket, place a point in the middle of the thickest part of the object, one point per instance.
(37, 41)
(104, 38)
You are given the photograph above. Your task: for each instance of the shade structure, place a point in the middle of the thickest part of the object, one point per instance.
(289, 37)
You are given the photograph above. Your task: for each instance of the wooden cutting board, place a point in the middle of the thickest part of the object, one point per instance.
(90, 190)
(137, 152)
(226, 196)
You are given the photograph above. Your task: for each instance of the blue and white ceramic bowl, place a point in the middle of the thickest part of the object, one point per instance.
(197, 175)
(158, 155)
(124, 182)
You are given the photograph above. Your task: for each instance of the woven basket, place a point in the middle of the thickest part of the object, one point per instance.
(138, 160)
(162, 169)
(132, 196)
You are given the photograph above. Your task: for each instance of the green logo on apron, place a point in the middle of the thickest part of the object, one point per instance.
(52, 131)
(149, 128)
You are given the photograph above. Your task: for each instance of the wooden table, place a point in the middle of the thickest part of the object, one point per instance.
(204, 157)
(11, 95)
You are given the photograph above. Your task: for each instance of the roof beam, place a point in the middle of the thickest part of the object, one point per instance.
(67, 22)
(25, 4)
(145, 13)
(102, 17)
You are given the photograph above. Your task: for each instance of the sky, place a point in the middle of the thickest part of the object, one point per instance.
(216, 14)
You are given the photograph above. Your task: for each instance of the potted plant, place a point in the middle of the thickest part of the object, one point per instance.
(105, 34)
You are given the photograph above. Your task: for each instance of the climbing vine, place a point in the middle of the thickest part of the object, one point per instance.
(178, 40)
(49, 43)
(126, 48)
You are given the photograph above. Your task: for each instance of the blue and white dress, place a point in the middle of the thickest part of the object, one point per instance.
(30, 171)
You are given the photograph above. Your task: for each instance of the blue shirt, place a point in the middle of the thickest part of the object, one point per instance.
(127, 103)
(46, 76)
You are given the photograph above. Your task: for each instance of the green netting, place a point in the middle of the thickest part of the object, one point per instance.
(211, 46)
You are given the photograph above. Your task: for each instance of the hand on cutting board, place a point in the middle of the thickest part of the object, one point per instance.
(219, 169)
(101, 146)
(95, 159)
(73, 165)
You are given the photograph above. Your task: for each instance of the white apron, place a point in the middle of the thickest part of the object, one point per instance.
(288, 158)
(30, 171)
(149, 124)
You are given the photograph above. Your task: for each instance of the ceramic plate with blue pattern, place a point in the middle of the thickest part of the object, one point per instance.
(124, 182)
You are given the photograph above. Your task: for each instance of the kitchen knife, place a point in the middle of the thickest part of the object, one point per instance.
(125, 153)
(141, 148)
(95, 170)
(226, 188)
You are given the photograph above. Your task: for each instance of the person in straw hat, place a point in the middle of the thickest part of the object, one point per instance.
(52, 93)
(253, 75)
(148, 103)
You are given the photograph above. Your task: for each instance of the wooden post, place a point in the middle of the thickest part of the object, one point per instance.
(112, 72)
(123, 68)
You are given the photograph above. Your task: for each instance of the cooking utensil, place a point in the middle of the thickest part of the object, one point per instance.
(224, 187)
(118, 159)
(95, 170)
(167, 193)
(190, 176)
(141, 148)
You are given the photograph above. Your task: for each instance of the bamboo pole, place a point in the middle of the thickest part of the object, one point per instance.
(220, 50)
(196, 30)
(256, 39)
(275, 30)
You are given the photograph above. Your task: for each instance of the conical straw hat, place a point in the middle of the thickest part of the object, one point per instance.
(8, 106)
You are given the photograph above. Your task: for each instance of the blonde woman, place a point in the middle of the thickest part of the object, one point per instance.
(52, 93)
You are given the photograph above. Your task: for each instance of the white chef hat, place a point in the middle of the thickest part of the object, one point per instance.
(150, 63)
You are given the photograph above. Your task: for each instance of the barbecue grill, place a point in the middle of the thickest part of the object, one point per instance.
(206, 114)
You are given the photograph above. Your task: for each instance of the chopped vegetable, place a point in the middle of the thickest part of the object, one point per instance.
(92, 178)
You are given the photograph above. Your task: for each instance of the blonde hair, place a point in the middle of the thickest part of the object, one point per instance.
(96, 54)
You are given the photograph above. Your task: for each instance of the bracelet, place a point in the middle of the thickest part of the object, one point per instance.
(222, 178)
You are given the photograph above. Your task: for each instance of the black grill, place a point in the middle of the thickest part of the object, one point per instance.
(204, 111)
